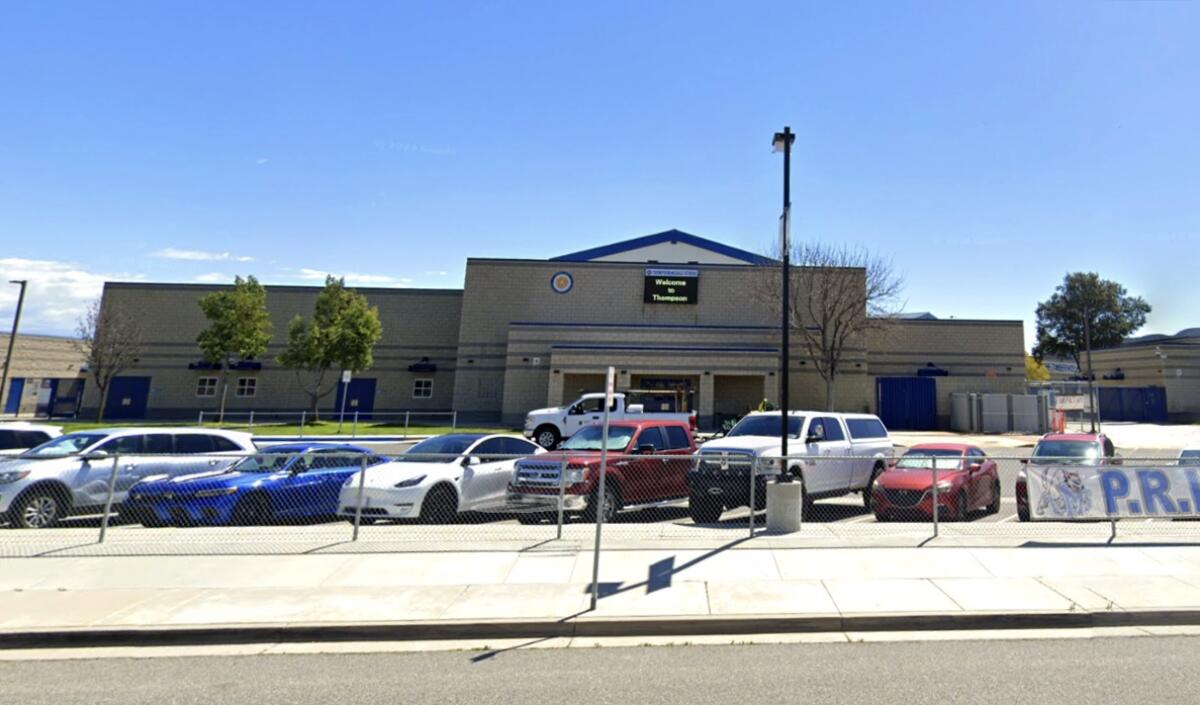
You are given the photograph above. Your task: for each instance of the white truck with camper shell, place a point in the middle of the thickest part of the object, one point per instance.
(548, 427)
(831, 454)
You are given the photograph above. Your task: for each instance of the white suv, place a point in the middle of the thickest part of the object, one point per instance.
(832, 454)
(70, 474)
(15, 438)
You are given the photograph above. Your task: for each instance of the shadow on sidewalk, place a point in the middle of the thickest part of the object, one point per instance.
(660, 575)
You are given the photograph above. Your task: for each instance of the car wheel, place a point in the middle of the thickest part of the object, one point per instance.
(547, 437)
(612, 504)
(1022, 514)
(994, 507)
(440, 506)
(808, 507)
(704, 510)
(38, 509)
(867, 490)
(962, 510)
(882, 517)
(253, 510)
(145, 517)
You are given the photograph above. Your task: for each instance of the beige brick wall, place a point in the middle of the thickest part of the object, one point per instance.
(1173, 366)
(416, 323)
(38, 357)
(501, 292)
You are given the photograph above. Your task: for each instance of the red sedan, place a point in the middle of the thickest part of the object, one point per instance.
(966, 480)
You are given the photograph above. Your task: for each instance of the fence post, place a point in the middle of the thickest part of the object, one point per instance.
(252, 419)
(562, 489)
(362, 478)
(354, 428)
(303, 416)
(200, 419)
(753, 467)
(453, 420)
(936, 508)
(406, 425)
(112, 485)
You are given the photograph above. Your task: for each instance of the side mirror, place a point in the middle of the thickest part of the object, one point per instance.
(646, 449)
(975, 467)
(96, 455)
(814, 438)
(1024, 461)
(470, 460)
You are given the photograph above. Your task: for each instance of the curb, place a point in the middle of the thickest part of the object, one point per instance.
(583, 626)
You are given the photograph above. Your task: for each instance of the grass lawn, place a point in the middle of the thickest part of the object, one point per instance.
(321, 428)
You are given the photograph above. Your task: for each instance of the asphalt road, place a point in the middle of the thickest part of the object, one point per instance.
(1159, 670)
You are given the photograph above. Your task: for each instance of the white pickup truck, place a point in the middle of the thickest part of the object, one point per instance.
(831, 453)
(548, 427)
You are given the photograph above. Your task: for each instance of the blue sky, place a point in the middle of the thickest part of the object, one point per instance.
(987, 147)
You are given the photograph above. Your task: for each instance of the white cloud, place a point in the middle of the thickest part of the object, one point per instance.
(436, 274)
(309, 274)
(200, 255)
(58, 292)
(262, 160)
(212, 278)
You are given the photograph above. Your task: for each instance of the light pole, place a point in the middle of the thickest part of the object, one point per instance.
(12, 340)
(783, 142)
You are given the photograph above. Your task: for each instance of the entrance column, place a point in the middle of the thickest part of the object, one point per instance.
(554, 390)
(771, 388)
(705, 405)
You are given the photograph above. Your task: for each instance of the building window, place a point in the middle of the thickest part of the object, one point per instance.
(206, 387)
(246, 386)
(422, 389)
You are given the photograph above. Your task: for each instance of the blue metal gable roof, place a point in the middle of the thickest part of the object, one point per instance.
(657, 238)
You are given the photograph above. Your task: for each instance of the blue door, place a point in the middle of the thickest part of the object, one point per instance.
(907, 403)
(361, 398)
(127, 398)
(1134, 404)
(15, 387)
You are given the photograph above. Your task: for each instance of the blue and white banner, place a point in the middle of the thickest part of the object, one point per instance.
(1065, 492)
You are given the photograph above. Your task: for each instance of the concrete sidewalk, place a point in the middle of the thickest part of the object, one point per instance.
(545, 593)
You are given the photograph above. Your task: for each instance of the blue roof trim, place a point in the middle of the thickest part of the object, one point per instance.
(662, 348)
(551, 324)
(666, 236)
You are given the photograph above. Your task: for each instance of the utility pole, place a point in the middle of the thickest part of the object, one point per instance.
(12, 340)
(783, 142)
(1091, 378)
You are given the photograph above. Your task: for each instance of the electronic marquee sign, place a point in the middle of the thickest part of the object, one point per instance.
(671, 286)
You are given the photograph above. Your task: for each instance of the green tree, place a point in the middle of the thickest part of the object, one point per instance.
(1086, 312)
(239, 327)
(340, 336)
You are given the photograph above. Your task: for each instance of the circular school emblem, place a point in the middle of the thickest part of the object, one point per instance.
(561, 282)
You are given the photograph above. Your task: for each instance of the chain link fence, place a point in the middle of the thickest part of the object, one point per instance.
(327, 497)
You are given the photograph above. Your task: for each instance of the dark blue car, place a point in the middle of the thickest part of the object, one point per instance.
(292, 481)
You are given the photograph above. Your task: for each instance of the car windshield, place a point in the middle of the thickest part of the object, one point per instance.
(766, 425)
(925, 458)
(439, 449)
(1189, 457)
(266, 462)
(65, 445)
(1073, 452)
(589, 438)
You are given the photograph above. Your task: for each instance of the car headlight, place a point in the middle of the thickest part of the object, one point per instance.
(13, 476)
(219, 492)
(410, 482)
(574, 476)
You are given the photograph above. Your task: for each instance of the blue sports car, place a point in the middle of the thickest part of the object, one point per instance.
(292, 481)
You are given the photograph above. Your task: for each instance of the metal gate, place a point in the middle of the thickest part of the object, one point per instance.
(907, 403)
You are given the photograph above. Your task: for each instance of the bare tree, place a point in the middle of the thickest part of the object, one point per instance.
(838, 294)
(111, 342)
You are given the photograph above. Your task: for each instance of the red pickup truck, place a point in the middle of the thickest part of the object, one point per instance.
(647, 466)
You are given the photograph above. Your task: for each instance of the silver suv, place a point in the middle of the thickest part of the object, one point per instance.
(70, 474)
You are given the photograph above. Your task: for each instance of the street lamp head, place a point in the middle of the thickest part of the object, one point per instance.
(783, 140)
(18, 281)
